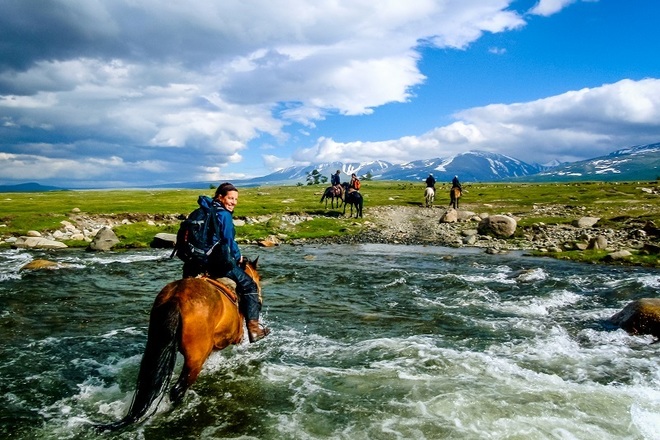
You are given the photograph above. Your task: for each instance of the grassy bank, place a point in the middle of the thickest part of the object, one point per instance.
(613, 202)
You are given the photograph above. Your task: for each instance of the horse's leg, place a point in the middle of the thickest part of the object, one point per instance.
(196, 346)
(191, 369)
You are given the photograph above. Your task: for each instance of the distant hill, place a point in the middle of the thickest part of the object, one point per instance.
(641, 162)
(29, 187)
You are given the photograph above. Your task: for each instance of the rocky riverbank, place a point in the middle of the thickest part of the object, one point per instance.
(417, 225)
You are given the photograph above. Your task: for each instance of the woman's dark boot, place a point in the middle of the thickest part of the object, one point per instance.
(256, 331)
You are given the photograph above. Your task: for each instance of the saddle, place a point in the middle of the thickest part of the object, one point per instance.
(225, 285)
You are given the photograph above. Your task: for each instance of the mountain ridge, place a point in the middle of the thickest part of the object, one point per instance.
(640, 162)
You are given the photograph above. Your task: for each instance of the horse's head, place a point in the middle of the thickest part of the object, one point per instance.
(250, 268)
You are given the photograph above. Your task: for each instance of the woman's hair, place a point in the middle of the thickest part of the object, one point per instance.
(224, 188)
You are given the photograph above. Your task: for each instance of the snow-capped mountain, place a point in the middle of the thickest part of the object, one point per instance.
(299, 173)
(472, 166)
(640, 162)
(633, 163)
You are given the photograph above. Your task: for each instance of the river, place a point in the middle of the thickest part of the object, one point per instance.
(368, 342)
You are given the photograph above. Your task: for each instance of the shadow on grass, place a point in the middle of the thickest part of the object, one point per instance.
(333, 213)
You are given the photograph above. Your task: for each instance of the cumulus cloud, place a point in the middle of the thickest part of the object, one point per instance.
(154, 91)
(546, 8)
(208, 77)
(572, 126)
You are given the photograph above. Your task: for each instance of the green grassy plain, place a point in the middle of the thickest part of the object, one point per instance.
(614, 202)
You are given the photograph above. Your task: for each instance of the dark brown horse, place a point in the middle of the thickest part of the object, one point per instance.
(332, 193)
(353, 198)
(193, 316)
(454, 195)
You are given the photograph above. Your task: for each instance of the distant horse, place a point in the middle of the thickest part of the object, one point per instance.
(194, 316)
(454, 195)
(332, 193)
(353, 198)
(429, 196)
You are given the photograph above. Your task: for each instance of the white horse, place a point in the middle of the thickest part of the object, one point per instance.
(429, 196)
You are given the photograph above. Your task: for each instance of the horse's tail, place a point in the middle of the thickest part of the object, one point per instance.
(322, 197)
(157, 363)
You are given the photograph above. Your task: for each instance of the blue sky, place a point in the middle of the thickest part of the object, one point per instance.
(119, 93)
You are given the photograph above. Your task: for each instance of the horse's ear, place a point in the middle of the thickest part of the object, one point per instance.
(254, 262)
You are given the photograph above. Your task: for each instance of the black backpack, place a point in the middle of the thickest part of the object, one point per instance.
(195, 238)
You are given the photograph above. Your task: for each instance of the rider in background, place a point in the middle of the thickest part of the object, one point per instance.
(355, 183)
(456, 184)
(334, 179)
(430, 182)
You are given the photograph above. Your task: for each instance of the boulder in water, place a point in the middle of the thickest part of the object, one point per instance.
(40, 264)
(640, 317)
(104, 240)
(163, 240)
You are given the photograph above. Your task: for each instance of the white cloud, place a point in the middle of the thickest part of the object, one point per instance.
(178, 90)
(571, 126)
(549, 7)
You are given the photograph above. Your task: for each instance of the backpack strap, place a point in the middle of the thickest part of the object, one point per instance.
(216, 228)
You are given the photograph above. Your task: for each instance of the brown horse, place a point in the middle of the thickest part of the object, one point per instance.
(454, 195)
(332, 193)
(193, 316)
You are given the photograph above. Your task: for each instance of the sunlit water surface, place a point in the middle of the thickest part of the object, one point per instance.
(368, 342)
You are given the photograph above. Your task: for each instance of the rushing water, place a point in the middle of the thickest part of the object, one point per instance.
(368, 342)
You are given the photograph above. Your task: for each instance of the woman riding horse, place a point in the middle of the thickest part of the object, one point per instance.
(353, 197)
(194, 316)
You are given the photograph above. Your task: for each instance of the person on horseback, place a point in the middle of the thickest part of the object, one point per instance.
(225, 260)
(334, 179)
(354, 183)
(456, 184)
(430, 182)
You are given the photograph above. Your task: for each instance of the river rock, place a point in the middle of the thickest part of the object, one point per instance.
(37, 243)
(599, 242)
(449, 216)
(640, 317)
(617, 256)
(104, 240)
(464, 216)
(40, 264)
(163, 240)
(469, 240)
(501, 226)
(586, 222)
